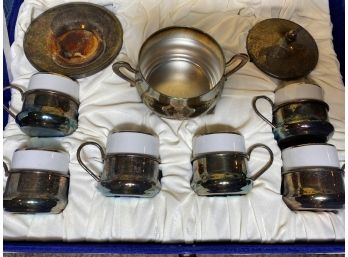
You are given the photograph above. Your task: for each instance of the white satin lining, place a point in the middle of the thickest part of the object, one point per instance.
(177, 214)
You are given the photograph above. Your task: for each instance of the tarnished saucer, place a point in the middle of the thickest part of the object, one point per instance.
(75, 39)
(282, 49)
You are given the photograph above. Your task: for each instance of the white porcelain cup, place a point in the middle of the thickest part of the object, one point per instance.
(310, 155)
(54, 82)
(218, 142)
(35, 159)
(297, 91)
(133, 142)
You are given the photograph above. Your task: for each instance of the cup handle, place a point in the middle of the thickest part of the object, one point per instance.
(96, 177)
(241, 58)
(266, 166)
(116, 67)
(20, 91)
(256, 98)
(5, 168)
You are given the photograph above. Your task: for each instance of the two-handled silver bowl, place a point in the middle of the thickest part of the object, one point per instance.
(181, 72)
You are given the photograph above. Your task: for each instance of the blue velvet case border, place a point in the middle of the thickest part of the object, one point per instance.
(157, 248)
(337, 17)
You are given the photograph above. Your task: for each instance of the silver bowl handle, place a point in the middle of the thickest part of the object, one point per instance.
(116, 67)
(240, 59)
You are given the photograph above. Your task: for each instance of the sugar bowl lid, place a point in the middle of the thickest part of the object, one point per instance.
(133, 142)
(298, 91)
(39, 159)
(282, 49)
(218, 142)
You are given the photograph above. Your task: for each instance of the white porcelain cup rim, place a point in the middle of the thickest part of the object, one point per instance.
(38, 159)
(298, 91)
(133, 142)
(54, 82)
(218, 142)
(310, 155)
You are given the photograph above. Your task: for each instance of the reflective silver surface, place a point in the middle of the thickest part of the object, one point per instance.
(130, 175)
(220, 174)
(298, 122)
(181, 72)
(313, 189)
(171, 78)
(181, 62)
(225, 173)
(46, 113)
(35, 191)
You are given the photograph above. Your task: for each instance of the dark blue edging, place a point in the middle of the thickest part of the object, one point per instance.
(336, 8)
(153, 248)
(6, 94)
(11, 17)
(337, 18)
(11, 9)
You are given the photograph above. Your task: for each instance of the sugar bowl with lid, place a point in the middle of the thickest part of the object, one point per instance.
(219, 162)
(312, 178)
(131, 164)
(50, 106)
(38, 181)
(300, 115)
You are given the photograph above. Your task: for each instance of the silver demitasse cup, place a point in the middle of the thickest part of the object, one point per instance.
(38, 181)
(300, 115)
(50, 106)
(131, 165)
(220, 164)
(312, 179)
